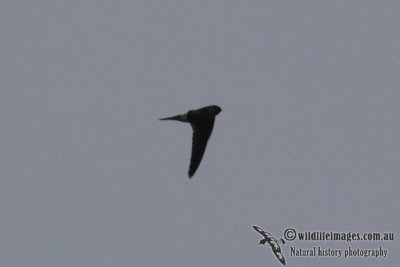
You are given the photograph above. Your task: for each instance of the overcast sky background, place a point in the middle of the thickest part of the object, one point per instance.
(308, 137)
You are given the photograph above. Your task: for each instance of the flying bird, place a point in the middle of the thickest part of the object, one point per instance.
(202, 122)
(273, 242)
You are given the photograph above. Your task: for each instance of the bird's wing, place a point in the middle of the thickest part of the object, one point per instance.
(273, 243)
(278, 253)
(258, 229)
(201, 134)
(261, 231)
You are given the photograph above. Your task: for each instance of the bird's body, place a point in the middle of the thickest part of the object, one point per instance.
(273, 242)
(202, 122)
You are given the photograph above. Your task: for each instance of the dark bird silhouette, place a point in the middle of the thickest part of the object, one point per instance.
(273, 242)
(202, 122)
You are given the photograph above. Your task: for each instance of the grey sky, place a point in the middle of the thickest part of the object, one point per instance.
(308, 137)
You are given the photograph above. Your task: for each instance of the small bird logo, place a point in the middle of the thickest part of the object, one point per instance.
(273, 242)
(202, 122)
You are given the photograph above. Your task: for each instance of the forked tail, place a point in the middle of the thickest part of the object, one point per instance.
(181, 117)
